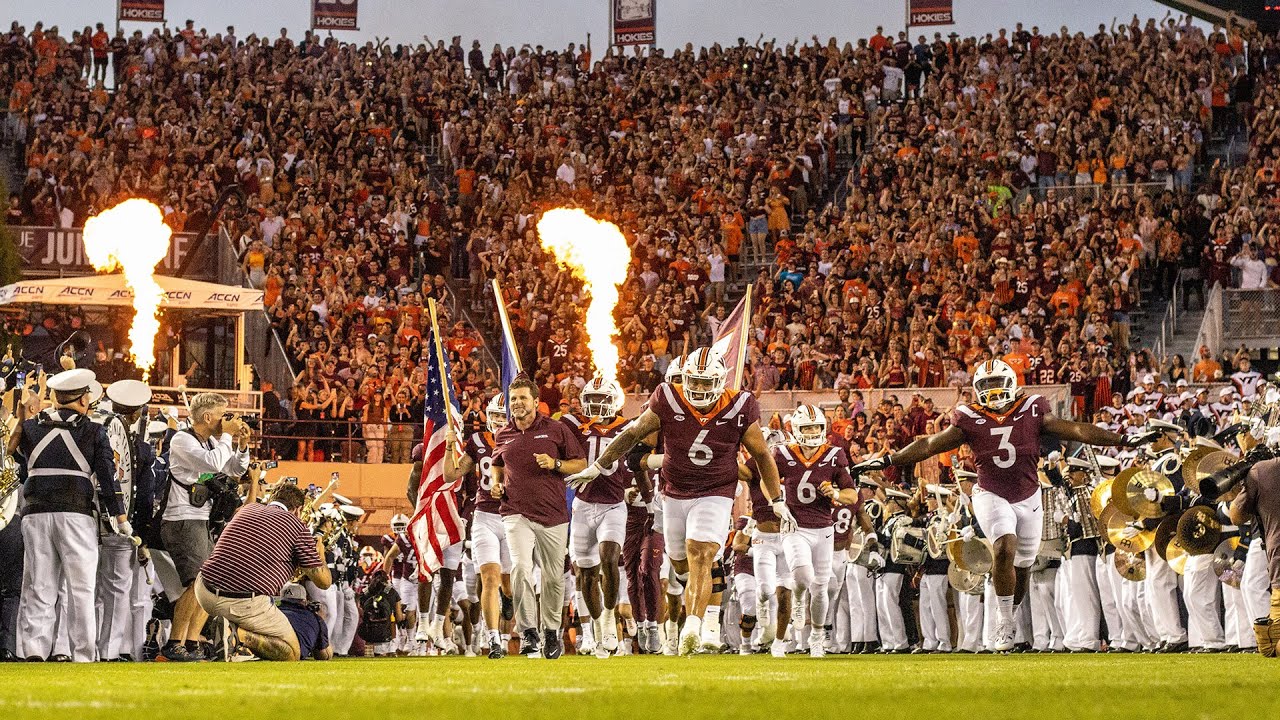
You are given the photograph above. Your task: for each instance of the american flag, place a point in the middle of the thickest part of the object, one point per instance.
(732, 338)
(436, 525)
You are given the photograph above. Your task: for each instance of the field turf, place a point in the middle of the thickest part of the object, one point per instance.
(704, 687)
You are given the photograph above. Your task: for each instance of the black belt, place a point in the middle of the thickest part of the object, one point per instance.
(228, 594)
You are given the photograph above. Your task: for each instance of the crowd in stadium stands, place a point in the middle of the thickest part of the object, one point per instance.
(375, 174)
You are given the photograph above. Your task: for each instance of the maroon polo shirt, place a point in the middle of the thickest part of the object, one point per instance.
(537, 494)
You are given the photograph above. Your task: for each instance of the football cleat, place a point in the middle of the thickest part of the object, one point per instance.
(655, 642)
(818, 643)
(778, 649)
(691, 636)
(1004, 636)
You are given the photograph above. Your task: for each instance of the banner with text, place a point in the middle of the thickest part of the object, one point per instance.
(50, 251)
(633, 21)
(929, 12)
(334, 15)
(141, 10)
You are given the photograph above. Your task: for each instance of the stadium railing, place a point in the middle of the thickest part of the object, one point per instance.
(1251, 317)
(1099, 192)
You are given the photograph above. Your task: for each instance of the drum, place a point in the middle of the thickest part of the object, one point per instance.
(907, 543)
(936, 534)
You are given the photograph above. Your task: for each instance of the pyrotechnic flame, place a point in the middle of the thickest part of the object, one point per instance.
(595, 252)
(132, 237)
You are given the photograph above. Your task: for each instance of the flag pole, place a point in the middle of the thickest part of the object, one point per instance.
(506, 324)
(740, 361)
(438, 348)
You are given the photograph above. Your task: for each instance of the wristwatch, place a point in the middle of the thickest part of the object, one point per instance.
(557, 466)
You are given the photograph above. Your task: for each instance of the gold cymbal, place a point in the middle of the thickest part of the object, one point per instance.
(1176, 556)
(963, 580)
(1144, 491)
(1199, 530)
(975, 556)
(1100, 498)
(1210, 464)
(1164, 533)
(1118, 498)
(1192, 461)
(1131, 566)
(1126, 534)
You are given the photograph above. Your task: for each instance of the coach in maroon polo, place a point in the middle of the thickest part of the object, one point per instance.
(534, 454)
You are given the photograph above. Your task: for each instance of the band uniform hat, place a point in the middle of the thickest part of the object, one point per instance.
(74, 382)
(128, 395)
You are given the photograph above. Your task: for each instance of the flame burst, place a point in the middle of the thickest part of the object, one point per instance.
(132, 237)
(596, 253)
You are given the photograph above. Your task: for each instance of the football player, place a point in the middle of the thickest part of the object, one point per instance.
(773, 580)
(814, 475)
(703, 424)
(1003, 429)
(401, 563)
(599, 523)
(488, 537)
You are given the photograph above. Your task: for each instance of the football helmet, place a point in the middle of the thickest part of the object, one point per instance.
(775, 438)
(399, 523)
(704, 378)
(809, 426)
(369, 558)
(995, 385)
(675, 370)
(495, 413)
(602, 398)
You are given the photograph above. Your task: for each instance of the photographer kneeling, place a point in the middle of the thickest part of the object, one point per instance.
(1259, 500)
(260, 551)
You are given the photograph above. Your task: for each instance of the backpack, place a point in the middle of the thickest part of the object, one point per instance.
(377, 612)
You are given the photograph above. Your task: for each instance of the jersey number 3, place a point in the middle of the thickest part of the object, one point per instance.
(1010, 453)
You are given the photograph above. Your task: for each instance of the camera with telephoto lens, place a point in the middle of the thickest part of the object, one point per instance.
(250, 420)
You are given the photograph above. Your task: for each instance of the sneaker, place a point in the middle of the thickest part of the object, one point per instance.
(60, 658)
(601, 651)
(609, 637)
(655, 642)
(242, 654)
(691, 636)
(175, 653)
(770, 628)
(778, 649)
(497, 649)
(1003, 635)
(529, 645)
(818, 643)
(642, 638)
(551, 644)
(745, 649)
(469, 652)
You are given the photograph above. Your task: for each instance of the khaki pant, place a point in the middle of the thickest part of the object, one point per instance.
(257, 614)
(400, 443)
(1268, 630)
(374, 442)
(530, 543)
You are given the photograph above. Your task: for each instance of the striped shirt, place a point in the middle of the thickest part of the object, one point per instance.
(259, 551)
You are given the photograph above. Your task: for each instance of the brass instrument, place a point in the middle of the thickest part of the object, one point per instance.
(308, 513)
(8, 479)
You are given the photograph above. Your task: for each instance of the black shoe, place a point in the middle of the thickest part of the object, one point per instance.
(1231, 649)
(920, 651)
(59, 658)
(1208, 650)
(1178, 647)
(551, 644)
(1081, 651)
(508, 609)
(529, 642)
(34, 658)
(1022, 647)
(175, 653)
(856, 649)
(1118, 650)
(871, 648)
(497, 649)
(116, 659)
(6, 656)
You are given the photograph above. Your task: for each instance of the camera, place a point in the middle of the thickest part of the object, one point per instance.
(250, 420)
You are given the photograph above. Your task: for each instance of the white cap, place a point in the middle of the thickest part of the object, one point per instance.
(293, 591)
(76, 380)
(1079, 463)
(1185, 397)
(128, 395)
(1148, 379)
(1182, 382)
(1225, 392)
(966, 475)
(156, 428)
(341, 500)
(1107, 461)
(352, 511)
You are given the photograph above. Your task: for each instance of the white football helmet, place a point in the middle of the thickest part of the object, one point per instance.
(602, 398)
(995, 385)
(675, 370)
(704, 378)
(809, 426)
(775, 438)
(495, 413)
(399, 523)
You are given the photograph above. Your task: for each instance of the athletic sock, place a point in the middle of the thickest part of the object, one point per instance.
(711, 620)
(495, 636)
(1004, 608)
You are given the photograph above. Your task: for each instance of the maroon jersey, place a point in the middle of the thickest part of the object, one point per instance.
(761, 511)
(1006, 447)
(406, 563)
(801, 478)
(480, 449)
(701, 448)
(844, 518)
(594, 437)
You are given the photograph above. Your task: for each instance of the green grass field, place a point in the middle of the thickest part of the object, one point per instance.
(971, 687)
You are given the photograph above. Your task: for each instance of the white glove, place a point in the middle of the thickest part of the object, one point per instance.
(579, 480)
(124, 529)
(1273, 436)
(1060, 517)
(953, 517)
(654, 461)
(786, 521)
(750, 529)
(875, 561)
(967, 533)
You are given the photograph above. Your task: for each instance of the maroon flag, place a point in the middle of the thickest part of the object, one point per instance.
(732, 339)
(930, 12)
(141, 10)
(633, 21)
(334, 15)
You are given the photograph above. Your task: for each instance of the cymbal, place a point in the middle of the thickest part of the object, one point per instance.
(1212, 463)
(975, 556)
(1199, 530)
(1144, 491)
(1100, 498)
(1119, 500)
(963, 580)
(1177, 556)
(1164, 533)
(1131, 566)
(1228, 567)
(1192, 460)
(1124, 532)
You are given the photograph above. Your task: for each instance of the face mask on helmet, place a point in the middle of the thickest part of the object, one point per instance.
(996, 391)
(812, 435)
(703, 391)
(600, 402)
(495, 415)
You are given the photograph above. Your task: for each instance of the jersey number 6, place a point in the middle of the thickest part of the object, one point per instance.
(700, 453)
